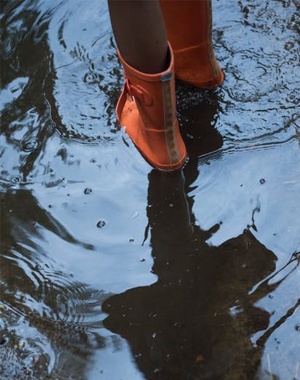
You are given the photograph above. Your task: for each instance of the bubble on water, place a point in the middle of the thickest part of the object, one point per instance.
(142, 260)
(131, 240)
(289, 45)
(262, 181)
(88, 191)
(15, 179)
(101, 224)
(30, 145)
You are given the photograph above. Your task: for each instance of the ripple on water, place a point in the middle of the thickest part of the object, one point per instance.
(44, 306)
(260, 53)
(88, 77)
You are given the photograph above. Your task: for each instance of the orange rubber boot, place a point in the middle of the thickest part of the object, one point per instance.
(147, 110)
(189, 29)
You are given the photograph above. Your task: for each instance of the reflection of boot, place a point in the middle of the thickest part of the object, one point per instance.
(147, 110)
(201, 136)
(189, 28)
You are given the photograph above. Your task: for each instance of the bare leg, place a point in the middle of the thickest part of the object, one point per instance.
(140, 33)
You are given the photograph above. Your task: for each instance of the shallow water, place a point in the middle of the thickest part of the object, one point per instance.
(111, 270)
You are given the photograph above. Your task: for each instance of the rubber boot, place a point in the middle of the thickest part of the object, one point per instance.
(147, 110)
(189, 29)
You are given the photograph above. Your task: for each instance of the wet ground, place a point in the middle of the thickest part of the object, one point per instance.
(111, 270)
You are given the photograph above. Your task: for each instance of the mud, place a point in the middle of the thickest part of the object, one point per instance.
(111, 270)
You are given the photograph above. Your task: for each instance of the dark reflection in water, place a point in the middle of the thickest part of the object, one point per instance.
(27, 65)
(197, 320)
(36, 218)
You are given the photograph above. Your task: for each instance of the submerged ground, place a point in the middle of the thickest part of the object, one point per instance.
(111, 270)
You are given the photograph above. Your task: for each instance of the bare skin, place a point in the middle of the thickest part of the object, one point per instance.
(140, 33)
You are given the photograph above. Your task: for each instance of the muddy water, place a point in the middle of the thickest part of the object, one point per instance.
(111, 270)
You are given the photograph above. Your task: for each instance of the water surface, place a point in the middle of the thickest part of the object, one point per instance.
(112, 270)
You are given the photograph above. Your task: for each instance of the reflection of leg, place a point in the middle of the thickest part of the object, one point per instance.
(147, 107)
(189, 28)
(168, 210)
(197, 320)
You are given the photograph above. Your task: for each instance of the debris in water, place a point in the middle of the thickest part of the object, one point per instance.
(199, 359)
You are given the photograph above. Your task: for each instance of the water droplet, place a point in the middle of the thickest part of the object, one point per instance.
(142, 260)
(262, 181)
(63, 153)
(131, 240)
(88, 191)
(135, 215)
(101, 224)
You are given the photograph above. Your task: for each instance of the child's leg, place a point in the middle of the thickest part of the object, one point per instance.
(140, 33)
(146, 107)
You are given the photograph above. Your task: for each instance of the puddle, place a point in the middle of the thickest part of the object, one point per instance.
(111, 270)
